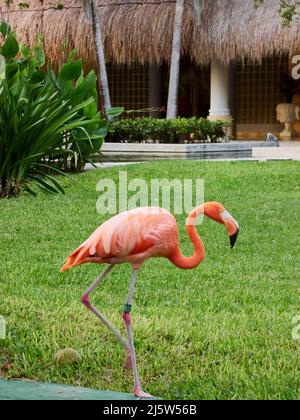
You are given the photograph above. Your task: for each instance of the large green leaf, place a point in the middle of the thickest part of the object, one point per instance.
(70, 71)
(90, 110)
(10, 47)
(72, 55)
(101, 132)
(37, 77)
(115, 112)
(12, 69)
(86, 89)
(5, 29)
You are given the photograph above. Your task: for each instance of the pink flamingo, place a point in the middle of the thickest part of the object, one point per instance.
(133, 237)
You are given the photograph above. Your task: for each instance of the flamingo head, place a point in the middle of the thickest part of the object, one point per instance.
(218, 213)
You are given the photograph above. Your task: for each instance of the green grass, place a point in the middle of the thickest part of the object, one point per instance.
(221, 331)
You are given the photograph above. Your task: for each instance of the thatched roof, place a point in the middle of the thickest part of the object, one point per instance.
(141, 30)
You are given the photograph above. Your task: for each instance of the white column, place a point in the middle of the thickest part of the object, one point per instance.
(219, 92)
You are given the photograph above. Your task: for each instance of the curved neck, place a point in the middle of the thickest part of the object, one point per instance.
(178, 258)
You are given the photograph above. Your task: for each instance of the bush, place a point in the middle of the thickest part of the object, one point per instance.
(47, 123)
(166, 131)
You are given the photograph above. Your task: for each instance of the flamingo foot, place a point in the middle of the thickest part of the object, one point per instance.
(128, 360)
(141, 394)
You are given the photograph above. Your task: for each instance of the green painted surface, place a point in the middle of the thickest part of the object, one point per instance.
(27, 390)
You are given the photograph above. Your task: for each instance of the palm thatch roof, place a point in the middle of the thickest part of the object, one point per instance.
(141, 30)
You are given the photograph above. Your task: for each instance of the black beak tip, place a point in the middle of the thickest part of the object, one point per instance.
(233, 238)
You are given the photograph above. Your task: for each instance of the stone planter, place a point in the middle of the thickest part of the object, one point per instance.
(287, 114)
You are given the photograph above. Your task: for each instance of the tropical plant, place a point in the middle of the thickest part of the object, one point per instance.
(47, 123)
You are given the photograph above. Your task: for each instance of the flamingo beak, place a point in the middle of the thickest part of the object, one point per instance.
(233, 238)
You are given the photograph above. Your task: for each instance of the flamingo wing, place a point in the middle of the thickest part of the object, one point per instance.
(125, 235)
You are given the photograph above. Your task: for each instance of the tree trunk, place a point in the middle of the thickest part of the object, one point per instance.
(175, 62)
(9, 188)
(102, 73)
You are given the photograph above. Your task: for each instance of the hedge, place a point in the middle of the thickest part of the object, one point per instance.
(181, 130)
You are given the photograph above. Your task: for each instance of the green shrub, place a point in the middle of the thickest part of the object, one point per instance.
(47, 123)
(166, 131)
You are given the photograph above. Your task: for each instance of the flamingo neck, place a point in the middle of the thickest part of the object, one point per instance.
(178, 258)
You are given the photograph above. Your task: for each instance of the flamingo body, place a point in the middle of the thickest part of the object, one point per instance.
(130, 237)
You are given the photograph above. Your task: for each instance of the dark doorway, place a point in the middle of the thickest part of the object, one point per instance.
(194, 89)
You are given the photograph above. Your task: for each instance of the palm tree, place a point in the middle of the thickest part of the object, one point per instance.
(175, 61)
(91, 10)
(176, 52)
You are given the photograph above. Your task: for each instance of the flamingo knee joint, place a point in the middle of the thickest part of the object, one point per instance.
(85, 299)
(127, 318)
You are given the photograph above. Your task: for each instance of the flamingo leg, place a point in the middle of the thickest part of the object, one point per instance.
(86, 301)
(128, 324)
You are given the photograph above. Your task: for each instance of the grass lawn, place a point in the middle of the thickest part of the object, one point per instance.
(222, 331)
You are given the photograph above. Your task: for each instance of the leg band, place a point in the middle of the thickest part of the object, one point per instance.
(127, 308)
